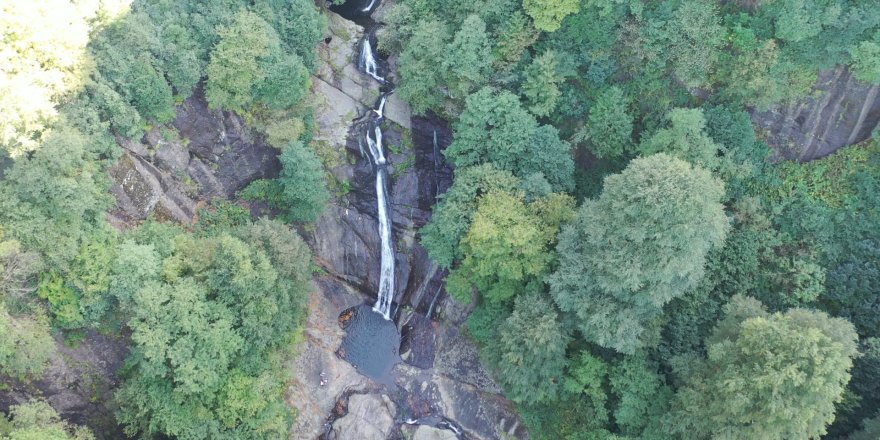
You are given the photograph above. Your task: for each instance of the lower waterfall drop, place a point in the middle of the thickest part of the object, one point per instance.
(385, 295)
(386, 271)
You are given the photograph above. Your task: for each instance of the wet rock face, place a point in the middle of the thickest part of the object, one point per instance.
(346, 240)
(203, 154)
(841, 111)
(77, 383)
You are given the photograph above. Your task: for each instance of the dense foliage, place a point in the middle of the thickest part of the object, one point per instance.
(640, 244)
(637, 262)
(212, 308)
(36, 420)
(701, 289)
(204, 326)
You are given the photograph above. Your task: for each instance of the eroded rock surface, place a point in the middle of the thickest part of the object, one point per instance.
(840, 111)
(78, 382)
(430, 433)
(203, 154)
(346, 239)
(370, 417)
(442, 379)
(312, 400)
(452, 390)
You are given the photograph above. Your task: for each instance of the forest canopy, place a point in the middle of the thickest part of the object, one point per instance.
(698, 272)
(634, 253)
(211, 307)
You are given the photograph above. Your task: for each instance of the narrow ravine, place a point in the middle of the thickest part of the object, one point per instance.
(385, 357)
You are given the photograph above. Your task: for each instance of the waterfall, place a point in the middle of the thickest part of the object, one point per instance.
(370, 6)
(386, 271)
(385, 295)
(431, 307)
(381, 110)
(436, 166)
(368, 61)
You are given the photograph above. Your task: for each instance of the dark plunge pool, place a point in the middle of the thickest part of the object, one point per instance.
(355, 10)
(371, 343)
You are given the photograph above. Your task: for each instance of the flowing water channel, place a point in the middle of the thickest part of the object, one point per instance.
(373, 341)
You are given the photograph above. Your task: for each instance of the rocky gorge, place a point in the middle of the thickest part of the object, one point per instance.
(439, 390)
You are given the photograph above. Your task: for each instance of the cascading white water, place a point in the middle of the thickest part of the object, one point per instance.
(386, 270)
(368, 61)
(370, 6)
(381, 110)
(385, 295)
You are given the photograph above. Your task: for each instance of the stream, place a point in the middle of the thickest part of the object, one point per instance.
(372, 341)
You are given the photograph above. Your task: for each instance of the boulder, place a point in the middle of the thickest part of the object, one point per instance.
(370, 417)
(430, 433)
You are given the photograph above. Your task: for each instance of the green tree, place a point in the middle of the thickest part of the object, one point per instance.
(532, 350)
(642, 243)
(301, 26)
(204, 329)
(151, 93)
(870, 430)
(763, 74)
(541, 85)
(64, 301)
(134, 266)
(53, 200)
(696, 36)
(548, 15)
(123, 117)
(866, 60)
(799, 20)
(25, 344)
(495, 128)
(766, 375)
(180, 54)
(608, 131)
(125, 52)
(36, 420)
(506, 246)
(642, 396)
(43, 58)
(452, 214)
(90, 275)
(685, 138)
(420, 77)
(467, 59)
(300, 190)
(587, 379)
(18, 270)
(236, 65)
(286, 84)
(514, 37)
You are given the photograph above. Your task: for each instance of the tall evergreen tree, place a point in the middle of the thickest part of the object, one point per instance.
(642, 243)
(766, 376)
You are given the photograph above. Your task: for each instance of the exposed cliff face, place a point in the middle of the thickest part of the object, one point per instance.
(78, 382)
(841, 111)
(203, 154)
